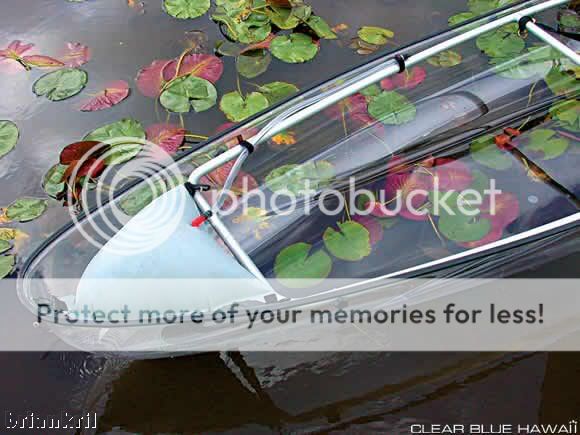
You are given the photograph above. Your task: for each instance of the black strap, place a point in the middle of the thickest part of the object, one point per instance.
(400, 59)
(194, 188)
(247, 145)
(523, 22)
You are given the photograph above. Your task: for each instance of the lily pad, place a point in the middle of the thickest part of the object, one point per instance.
(351, 243)
(503, 42)
(187, 92)
(6, 265)
(294, 48)
(4, 246)
(277, 91)
(485, 151)
(241, 26)
(284, 18)
(184, 9)
(237, 108)
(53, 183)
(296, 262)
(297, 179)
(567, 114)
(168, 136)
(119, 135)
(113, 94)
(8, 137)
(536, 63)
(25, 209)
(62, 84)
(547, 142)
(142, 197)
(561, 81)
(392, 108)
(460, 18)
(375, 35)
(461, 228)
(252, 64)
(320, 27)
(445, 59)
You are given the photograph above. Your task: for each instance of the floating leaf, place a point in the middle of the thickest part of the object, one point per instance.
(445, 59)
(561, 81)
(187, 92)
(26, 209)
(283, 18)
(298, 179)
(237, 108)
(284, 139)
(204, 66)
(296, 262)
(168, 136)
(569, 19)
(119, 135)
(6, 265)
(371, 91)
(240, 24)
(408, 79)
(151, 78)
(62, 84)
(277, 91)
(373, 226)
(4, 246)
(375, 35)
(390, 107)
(320, 27)
(452, 174)
(546, 142)
(536, 62)
(76, 54)
(503, 42)
(12, 56)
(294, 48)
(53, 183)
(485, 151)
(137, 200)
(460, 18)
(350, 243)
(253, 63)
(42, 61)
(462, 228)
(76, 151)
(480, 7)
(8, 137)
(185, 9)
(114, 93)
(567, 113)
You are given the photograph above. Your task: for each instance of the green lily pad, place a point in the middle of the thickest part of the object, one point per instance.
(461, 228)
(569, 19)
(284, 18)
(460, 18)
(6, 265)
(567, 113)
(253, 63)
(320, 27)
(392, 108)
(503, 42)
(295, 263)
(294, 48)
(25, 209)
(454, 201)
(237, 108)
(189, 92)
(52, 183)
(485, 151)
(371, 91)
(61, 84)
(8, 137)
(480, 7)
(115, 133)
(277, 91)
(561, 81)
(297, 179)
(536, 63)
(375, 35)
(445, 59)
(240, 26)
(547, 142)
(480, 181)
(351, 243)
(184, 9)
(4, 246)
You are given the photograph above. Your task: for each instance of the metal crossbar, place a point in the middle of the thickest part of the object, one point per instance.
(317, 104)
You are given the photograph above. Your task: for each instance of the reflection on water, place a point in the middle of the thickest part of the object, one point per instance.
(255, 392)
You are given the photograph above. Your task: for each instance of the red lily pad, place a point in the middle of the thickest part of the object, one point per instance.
(452, 174)
(76, 54)
(91, 167)
(243, 183)
(246, 133)
(265, 44)
(405, 80)
(411, 188)
(114, 93)
(151, 78)
(355, 104)
(168, 136)
(9, 56)
(373, 226)
(205, 66)
(494, 235)
(505, 211)
(76, 151)
(40, 61)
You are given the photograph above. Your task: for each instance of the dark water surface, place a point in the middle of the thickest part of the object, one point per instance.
(249, 393)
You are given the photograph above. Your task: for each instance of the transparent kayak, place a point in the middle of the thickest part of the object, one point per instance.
(385, 128)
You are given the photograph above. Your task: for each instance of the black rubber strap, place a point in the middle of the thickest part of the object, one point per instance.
(523, 22)
(247, 145)
(194, 188)
(400, 59)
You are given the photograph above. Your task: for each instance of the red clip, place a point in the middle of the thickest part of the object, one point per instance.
(200, 220)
